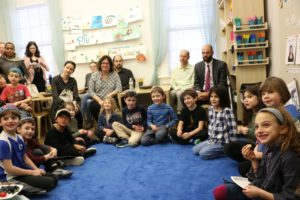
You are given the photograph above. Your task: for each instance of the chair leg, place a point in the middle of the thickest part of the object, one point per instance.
(39, 127)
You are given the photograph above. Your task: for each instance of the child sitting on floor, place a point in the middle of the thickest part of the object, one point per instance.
(221, 127)
(107, 117)
(61, 138)
(17, 94)
(160, 117)
(84, 137)
(192, 122)
(38, 153)
(277, 175)
(13, 160)
(134, 119)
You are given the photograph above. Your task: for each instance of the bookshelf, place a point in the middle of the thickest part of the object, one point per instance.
(243, 44)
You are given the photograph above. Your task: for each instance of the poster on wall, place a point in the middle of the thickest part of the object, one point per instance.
(298, 51)
(291, 46)
(294, 100)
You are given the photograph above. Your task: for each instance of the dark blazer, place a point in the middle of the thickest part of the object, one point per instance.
(219, 73)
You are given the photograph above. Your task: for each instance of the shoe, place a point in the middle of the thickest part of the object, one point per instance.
(60, 163)
(74, 161)
(110, 140)
(89, 152)
(123, 143)
(197, 141)
(62, 173)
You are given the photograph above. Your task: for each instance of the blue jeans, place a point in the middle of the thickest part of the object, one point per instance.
(85, 104)
(208, 150)
(150, 137)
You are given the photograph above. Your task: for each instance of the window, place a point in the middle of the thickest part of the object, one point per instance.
(186, 29)
(33, 25)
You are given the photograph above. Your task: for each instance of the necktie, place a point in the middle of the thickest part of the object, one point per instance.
(207, 79)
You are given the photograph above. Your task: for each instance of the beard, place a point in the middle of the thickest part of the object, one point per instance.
(118, 66)
(207, 59)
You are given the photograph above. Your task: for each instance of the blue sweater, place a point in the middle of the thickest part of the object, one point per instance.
(162, 114)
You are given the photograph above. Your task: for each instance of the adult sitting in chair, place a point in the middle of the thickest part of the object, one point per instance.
(208, 73)
(124, 74)
(182, 78)
(103, 83)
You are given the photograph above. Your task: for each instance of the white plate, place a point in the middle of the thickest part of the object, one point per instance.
(241, 181)
(8, 196)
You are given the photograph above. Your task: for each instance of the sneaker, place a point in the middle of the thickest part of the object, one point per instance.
(89, 152)
(110, 140)
(60, 163)
(123, 143)
(74, 161)
(62, 173)
(197, 141)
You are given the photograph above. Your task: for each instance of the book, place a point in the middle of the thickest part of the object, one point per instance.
(241, 181)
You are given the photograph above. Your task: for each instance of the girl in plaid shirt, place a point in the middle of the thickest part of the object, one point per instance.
(222, 125)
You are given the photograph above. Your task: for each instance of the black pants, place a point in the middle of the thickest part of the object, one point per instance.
(95, 109)
(101, 134)
(202, 135)
(46, 182)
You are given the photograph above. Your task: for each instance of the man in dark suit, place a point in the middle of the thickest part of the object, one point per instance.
(208, 73)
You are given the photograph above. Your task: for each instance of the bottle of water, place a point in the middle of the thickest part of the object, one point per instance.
(131, 84)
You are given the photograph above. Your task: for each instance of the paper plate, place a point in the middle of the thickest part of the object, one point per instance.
(241, 181)
(8, 196)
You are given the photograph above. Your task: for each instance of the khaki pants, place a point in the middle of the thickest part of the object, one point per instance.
(176, 99)
(124, 132)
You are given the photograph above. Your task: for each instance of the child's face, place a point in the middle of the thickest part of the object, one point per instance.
(107, 105)
(63, 120)
(157, 98)
(130, 102)
(267, 129)
(271, 99)
(13, 77)
(10, 122)
(71, 109)
(214, 99)
(250, 100)
(189, 101)
(26, 130)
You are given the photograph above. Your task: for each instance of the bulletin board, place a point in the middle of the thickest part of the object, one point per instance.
(94, 31)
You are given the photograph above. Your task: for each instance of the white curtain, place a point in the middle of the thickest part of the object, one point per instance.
(159, 29)
(56, 33)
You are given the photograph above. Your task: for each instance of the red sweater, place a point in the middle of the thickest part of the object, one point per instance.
(34, 144)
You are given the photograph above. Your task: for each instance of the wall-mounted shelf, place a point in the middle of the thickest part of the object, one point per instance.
(250, 28)
(251, 46)
(256, 62)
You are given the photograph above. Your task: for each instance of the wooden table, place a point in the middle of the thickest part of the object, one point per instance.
(166, 89)
(37, 102)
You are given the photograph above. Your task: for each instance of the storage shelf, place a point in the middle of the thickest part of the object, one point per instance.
(250, 28)
(257, 62)
(249, 46)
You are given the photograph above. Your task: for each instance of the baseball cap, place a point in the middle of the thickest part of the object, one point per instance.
(63, 111)
(9, 107)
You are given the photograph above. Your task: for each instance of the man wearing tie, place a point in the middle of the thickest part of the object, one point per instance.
(208, 73)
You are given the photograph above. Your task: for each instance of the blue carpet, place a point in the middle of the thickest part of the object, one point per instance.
(166, 171)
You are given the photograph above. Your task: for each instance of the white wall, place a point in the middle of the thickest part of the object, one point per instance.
(96, 7)
(279, 30)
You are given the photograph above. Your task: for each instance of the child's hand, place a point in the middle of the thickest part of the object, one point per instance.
(109, 132)
(81, 131)
(138, 128)
(38, 172)
(179, 133)
(79, 139)
(252, 191)
(90, 134)
(248, 153)
(53, 153)
(80, 148)
(185, 135)
(154, 128)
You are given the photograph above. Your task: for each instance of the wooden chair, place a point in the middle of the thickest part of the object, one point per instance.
(47, 121)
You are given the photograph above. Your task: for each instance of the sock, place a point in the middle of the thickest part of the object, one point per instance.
(220, 192)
